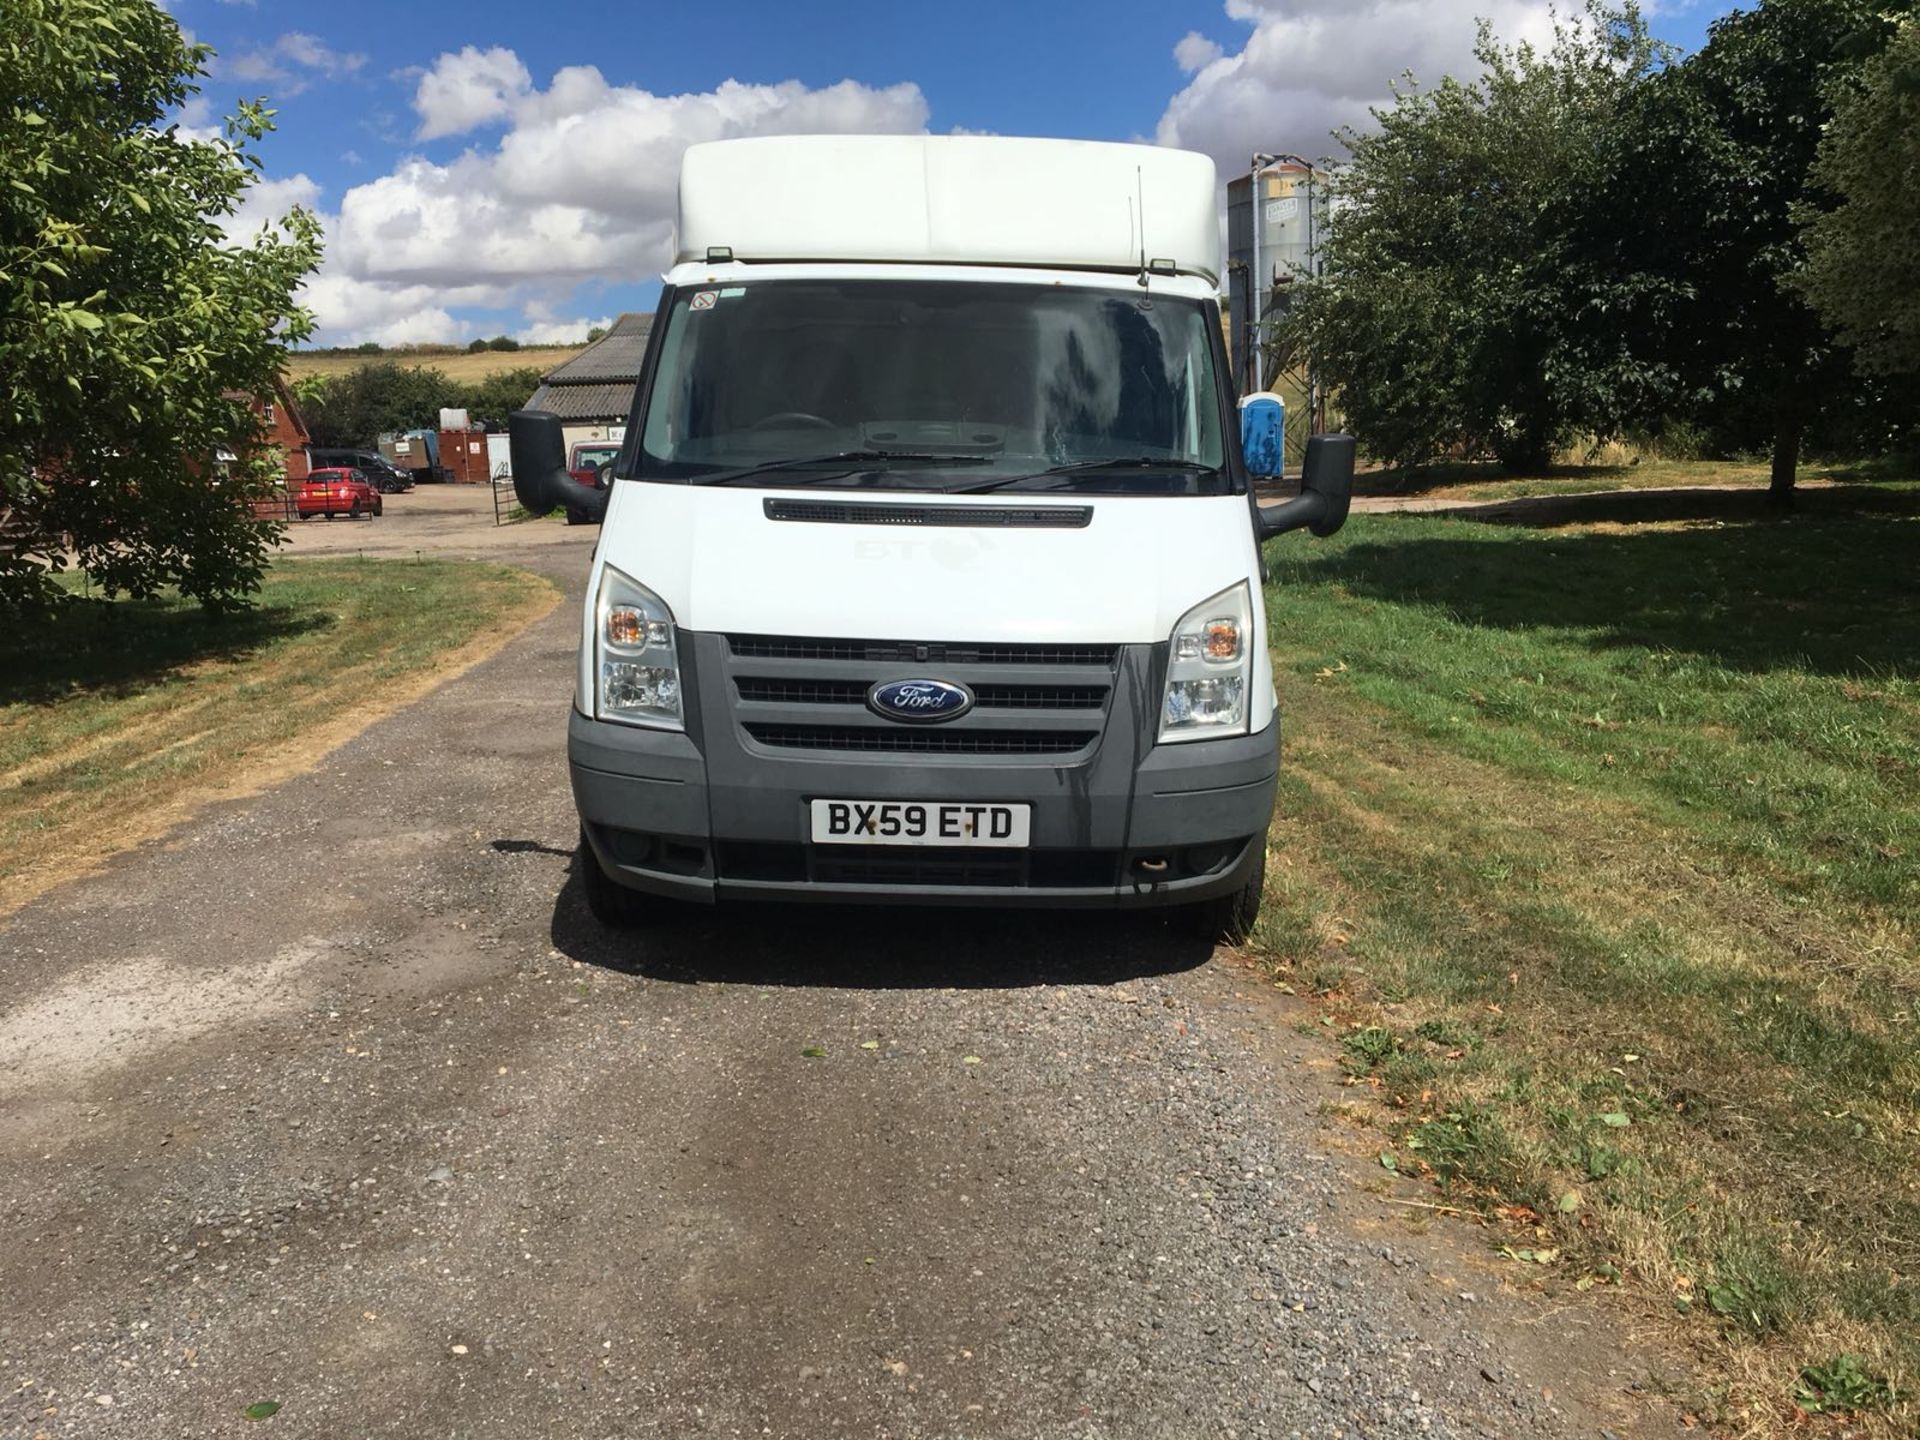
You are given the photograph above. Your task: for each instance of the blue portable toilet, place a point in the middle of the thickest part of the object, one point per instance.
(1263, 433)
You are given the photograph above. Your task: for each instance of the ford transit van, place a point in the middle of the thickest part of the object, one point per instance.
(930, 565)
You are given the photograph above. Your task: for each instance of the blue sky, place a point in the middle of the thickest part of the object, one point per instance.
(485, 167)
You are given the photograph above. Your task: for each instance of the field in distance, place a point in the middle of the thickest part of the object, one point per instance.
(454, 364)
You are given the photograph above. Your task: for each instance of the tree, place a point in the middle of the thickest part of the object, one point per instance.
(1720, 157)
(489, 401)
(1863, 256)
(354, 409)
(596, 332)
(133, 332)
(1462, 306)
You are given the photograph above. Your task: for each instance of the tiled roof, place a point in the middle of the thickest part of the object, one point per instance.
(614, 356)
(584, 402)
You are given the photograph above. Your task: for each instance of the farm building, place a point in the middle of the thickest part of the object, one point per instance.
(285, 431)
(593, 392)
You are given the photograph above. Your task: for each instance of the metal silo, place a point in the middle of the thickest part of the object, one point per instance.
(1276, 222)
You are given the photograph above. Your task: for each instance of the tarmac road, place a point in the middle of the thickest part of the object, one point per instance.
(337, 1098)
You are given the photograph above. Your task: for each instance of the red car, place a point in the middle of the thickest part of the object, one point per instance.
(334, 492)
(586, 464)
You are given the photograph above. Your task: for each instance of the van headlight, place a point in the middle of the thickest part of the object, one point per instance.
(636, 661)
(1209, 669)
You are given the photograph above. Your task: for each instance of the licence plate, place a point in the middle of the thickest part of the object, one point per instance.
(921, 822)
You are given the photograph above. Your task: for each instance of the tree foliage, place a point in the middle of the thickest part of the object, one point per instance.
(356, 407)
(352, 408)
(1463, 305)
(1863, 256)
(1604, 237)
(1721, 152)
(132, 330)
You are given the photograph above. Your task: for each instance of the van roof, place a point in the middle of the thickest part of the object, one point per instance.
(949, 199)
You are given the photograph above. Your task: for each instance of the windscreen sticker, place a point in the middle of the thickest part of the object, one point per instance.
(733, 292)
(703, 300)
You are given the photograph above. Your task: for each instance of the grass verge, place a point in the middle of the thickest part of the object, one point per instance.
(1605, 849)
(117, 719)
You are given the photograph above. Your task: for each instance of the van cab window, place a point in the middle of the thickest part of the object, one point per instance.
(936, 385)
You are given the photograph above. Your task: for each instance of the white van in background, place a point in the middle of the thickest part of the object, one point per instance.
(930, 566)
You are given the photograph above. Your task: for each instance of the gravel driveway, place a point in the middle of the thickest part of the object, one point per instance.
(338, 1099)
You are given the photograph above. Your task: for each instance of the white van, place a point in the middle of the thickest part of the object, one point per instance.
(930, 565)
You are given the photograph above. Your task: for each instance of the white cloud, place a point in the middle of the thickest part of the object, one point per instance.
(561, 332)
(1195, 52)
(291, 63)
(469, 89)
(580, 186)
(1311, 66)
(195, 121)
(266, 203)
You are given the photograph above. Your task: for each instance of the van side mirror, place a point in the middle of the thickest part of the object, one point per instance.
(1326, 491)
(538, 449)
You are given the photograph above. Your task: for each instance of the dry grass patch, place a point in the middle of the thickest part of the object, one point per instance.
(118, 719)
(458, 365)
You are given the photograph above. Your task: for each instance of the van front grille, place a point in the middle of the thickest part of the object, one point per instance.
(908, 652)
(922, 740)
(986, 697)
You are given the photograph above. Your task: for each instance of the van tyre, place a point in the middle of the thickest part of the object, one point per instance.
(611, 903)
(1229, 919)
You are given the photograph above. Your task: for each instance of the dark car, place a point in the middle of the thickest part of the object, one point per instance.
(380, 474)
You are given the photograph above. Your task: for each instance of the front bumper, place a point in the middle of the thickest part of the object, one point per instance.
(713, 814)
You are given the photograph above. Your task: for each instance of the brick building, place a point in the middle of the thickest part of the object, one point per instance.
(286, 432)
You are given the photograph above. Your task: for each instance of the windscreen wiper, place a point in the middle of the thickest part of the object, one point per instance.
(837, 457)
(1089, 467)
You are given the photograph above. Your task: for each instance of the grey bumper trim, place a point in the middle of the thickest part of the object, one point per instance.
(702, 793)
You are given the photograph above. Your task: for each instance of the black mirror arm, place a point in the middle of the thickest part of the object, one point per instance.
(1304, 511)
(590, 501)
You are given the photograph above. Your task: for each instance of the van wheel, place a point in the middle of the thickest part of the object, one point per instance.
(613, 904)
(1229, 919)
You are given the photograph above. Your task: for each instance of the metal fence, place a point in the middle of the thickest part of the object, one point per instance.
(507, 509)
(277, 506)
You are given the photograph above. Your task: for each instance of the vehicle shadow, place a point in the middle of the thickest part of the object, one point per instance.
(123, 646)
(1831, 590)
(879, 948)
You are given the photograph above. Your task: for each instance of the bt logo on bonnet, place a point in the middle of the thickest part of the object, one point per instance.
(919, 701)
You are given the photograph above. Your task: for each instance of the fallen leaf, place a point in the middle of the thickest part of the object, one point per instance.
(1617, 1119)
(969, 1059)
(1387, 1161)
(262, 1410)
(869, 1044)
(815, 1052)
(1569, 1202)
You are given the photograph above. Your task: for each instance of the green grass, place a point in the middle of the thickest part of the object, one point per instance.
(1614, 841)
(116, 715)
(1613, 469)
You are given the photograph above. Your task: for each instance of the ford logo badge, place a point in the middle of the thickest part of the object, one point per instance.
(919, 700)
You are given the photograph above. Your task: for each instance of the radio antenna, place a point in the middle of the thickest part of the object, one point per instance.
(1140, 189)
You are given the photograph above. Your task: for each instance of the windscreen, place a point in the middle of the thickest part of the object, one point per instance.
(942, 385)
